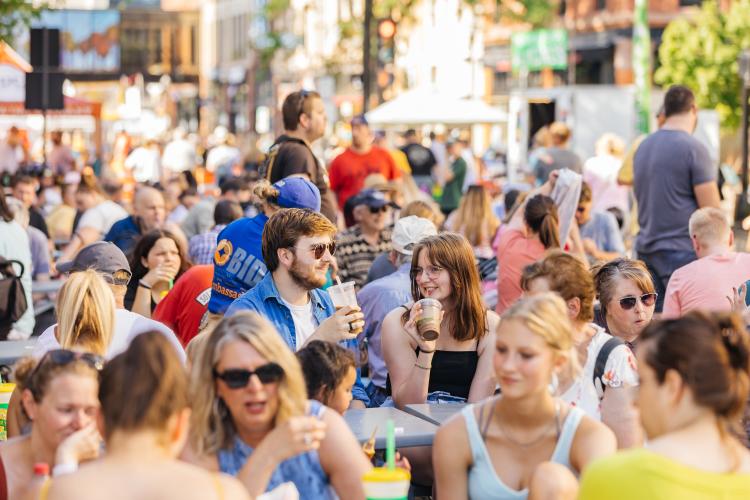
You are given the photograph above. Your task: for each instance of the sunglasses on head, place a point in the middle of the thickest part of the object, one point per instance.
(62, 357)
(374, 210)
(647, 299)
(238, 378)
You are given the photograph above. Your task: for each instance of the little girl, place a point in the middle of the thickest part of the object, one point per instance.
(329, 373)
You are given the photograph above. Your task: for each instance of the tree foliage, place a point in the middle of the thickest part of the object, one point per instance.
(537, 13)
(702, 52)
(16, 14)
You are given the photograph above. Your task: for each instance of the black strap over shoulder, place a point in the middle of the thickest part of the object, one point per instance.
(601, 361)
(267, 166)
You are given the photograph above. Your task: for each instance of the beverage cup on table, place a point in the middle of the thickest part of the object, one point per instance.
(343, 295)
(428, 324)
(382, 483)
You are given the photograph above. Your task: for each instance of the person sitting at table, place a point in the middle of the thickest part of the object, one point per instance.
(59, 395)
(329, 373)
(457, 366)
(251, 417)
(145, 414)
(526, 443)
(602, 395)
(695, 382)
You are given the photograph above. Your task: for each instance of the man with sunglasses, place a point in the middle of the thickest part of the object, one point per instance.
(367, 238)
(298, 249)
(305, 120)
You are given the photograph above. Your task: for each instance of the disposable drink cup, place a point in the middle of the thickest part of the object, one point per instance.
(5, 391)
(344, 295)
(428, 325)
(381, 483)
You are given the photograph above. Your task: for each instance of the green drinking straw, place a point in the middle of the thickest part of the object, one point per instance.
(171, 284)
(390, 445)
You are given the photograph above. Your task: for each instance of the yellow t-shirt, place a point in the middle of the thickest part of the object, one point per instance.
(643, 475)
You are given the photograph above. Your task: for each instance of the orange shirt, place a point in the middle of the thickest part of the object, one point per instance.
(514, 252)
(349, 170)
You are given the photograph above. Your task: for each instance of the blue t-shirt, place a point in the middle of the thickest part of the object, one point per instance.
(124, 234)
(602, 228)
(238, 261)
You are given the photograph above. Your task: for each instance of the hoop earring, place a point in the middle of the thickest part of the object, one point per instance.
(554, 384)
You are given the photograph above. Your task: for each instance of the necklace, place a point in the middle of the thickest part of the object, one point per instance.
(541, 436)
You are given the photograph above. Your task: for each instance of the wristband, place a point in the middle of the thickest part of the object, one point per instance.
(143, 284)
(63, 469)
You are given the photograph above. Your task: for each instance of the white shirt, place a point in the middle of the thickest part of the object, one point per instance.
(128, 325)
(14, 245)
(9, 158)
(145, 164)
(102, 216)
(304, 322)
(179, 155)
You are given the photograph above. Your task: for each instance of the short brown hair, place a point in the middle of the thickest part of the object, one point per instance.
(606, 274)
(295, 105)
(567, 276)
(285, 228)
(144, 386)
(679, 99)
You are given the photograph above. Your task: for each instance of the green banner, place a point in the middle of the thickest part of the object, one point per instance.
(535, 50)
(642, 66)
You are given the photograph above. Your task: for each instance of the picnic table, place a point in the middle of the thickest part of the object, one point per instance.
(434, 413)
(410, 430)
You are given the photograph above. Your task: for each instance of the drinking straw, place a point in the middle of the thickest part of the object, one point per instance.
(390, 445)
(338, 281)
(171, 284)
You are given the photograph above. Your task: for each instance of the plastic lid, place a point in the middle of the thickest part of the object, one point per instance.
(385, 475)
(41, 469)
(7, 387)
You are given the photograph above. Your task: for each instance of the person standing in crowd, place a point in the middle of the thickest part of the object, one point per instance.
(200, 218)
(421, 160)
(224, 158)
(251, 417)
(558, 155)
(600, 173)
(179, 155)
(627, 298)
(25, 190)
(14, 245)
(673, 177)
(59, 394)
(144, 162)
(608, 373)
(157, 261)
(60, 158)
(298, 249)
(695, 382)
(707, 282)
(527, 443)
(451, 177)
(238, 260)
(201, 247)
(349, 169)
(99, 215)
(369, 237)
(383, 295)
(12, 153)
(144, 399)
(305, 120)
(60, 219)
(149, 213)
(600, 233)
(184, 308)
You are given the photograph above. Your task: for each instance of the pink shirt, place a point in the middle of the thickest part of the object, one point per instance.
(706, 283)
(514, 252)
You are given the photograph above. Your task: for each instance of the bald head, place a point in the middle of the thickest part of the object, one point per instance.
(149, 207)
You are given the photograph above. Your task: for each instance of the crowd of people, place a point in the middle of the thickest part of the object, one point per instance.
(208, 339)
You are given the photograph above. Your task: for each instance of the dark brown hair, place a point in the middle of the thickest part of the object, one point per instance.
(285, 228)
(295, 105)
(454, 253)
(585, 193)
(5, 213)
(89, 184)
(324, 366)
(144, 246)
(678, 99)
(541, 216)
(567, 276)
(144, 386)
(710, 351)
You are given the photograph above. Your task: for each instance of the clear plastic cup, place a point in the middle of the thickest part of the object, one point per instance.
(344, 295)
(428, 324)
(381, 483)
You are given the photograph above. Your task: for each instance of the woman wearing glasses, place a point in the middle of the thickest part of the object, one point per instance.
(251, 417)
(627, 297)
(59, 395)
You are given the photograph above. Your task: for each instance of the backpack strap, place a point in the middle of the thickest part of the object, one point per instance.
(601, 363)
(273, 151)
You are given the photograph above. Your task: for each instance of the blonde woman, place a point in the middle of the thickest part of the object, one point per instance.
(526, 443)
(476, 220)
(251, 417)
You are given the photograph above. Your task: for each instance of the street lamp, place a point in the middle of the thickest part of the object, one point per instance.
(743, 206)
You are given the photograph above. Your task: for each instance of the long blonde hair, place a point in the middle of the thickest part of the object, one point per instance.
(211, 424)
(85, 312)
(475, 218)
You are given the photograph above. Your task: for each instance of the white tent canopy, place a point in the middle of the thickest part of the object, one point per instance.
(423, 106)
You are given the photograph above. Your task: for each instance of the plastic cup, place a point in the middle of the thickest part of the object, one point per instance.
(428, 325)
(381, 483)
(344, 295)
(5, 391)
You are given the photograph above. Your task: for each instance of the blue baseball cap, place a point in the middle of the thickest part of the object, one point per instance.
(297, 192)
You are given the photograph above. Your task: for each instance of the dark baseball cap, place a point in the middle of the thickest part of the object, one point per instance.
(372, 198)
(103, 257)
(359, 120)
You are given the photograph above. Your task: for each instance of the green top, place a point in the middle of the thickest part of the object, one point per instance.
(452, 189)
(644, 475)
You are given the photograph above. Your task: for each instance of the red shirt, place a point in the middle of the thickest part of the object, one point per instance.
(349, 170)
(514, 252)
(186, 303)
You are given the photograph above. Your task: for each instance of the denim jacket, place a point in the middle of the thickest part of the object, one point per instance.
(264, 298)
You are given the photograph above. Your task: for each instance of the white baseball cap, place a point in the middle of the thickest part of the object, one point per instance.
(409, 231)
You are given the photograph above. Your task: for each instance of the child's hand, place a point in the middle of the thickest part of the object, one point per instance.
(402, 462)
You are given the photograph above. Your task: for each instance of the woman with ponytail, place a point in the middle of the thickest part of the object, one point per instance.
(694, 385)
(533, 230)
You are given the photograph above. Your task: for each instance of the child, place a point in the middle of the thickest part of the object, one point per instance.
(329, 373)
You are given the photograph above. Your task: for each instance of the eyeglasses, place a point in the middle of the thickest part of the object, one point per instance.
(62, 357)
(429, 271)
(269, 373)
(647, 299)
(374, 210)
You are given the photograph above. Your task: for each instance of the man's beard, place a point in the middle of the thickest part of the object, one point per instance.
(305, 281)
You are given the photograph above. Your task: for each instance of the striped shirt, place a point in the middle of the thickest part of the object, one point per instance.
(355, 255)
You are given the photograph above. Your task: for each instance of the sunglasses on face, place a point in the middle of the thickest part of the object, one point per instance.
(647, 299)
(269, 373)
(320, 249)
(382, 209)
(62, 357)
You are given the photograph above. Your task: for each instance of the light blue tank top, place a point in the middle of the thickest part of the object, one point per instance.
(303, 470)
(484, 482)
